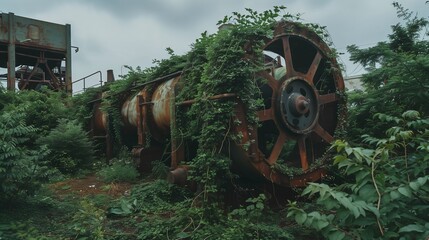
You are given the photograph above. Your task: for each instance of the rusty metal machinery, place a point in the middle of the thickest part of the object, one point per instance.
(35, 53)
(302, 105)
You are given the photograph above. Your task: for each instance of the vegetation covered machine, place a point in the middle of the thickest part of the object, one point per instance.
(300, 87)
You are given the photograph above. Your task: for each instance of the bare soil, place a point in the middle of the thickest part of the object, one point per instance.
(90, 185)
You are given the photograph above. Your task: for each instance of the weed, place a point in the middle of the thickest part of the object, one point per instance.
(118, 172)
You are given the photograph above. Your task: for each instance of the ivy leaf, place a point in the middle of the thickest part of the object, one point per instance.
(339, 158)
(412, 228)
(337, 235)
(422, 180)
(411, 114)
(301, 217)
(183, 235)
(405, 191)
(349, 150)
(415, 186)
(321, 224)
(395, 194)
(361, 176)
(367, 192)
(374, 210)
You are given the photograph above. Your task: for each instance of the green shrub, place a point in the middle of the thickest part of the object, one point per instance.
(21, 230)
(88, 222)
(43, 109)
(22, 170)
(387, 194)
(397, 75)
(71, 149)
(118, 172)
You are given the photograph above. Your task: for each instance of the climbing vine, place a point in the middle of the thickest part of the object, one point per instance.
(222, 64)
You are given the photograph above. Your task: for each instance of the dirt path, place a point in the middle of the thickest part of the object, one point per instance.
(90, 185)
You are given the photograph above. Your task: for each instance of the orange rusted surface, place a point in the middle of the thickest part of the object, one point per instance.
(99, 119)
(144, 108)
(161, 106)
(129, 111)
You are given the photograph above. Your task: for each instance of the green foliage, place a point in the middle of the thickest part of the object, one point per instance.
(70, 147)
(397, 77)
(80, 107)
(43, 109)
(118, 172)
(226, 62)
(6, 97)
(120, 169)
(166, 211)
(88, 222)
(254, 221)
(20, 230)
(159, 193)
(388, 192)
(22, 170)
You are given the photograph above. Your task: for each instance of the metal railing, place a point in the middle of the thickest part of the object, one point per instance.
(100, 83)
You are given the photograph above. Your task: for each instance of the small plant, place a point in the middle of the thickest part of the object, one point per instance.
(88, 222)
(118, 172)
(254, 221)
(71, 148)
(20, 230)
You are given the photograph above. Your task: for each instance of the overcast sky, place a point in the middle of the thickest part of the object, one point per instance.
(114, 33)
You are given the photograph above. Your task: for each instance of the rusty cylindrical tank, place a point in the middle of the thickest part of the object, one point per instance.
(302, 106)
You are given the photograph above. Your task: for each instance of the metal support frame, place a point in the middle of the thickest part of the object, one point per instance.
(48, 43)
(68, 80)
(11, 54)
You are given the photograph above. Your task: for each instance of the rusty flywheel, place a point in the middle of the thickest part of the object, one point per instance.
(301, 108)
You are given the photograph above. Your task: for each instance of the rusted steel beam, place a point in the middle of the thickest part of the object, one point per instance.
(51, 43)
(11, 63)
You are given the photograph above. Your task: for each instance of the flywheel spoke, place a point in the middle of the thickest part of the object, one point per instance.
(272, 82)
(288, 57)
(275, 153)
(323, 133)
(303, 153)
(313, 68)
(327, 98)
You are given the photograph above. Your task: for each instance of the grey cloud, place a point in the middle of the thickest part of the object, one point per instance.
(157, 24)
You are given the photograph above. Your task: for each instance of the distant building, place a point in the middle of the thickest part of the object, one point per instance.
(353, 83)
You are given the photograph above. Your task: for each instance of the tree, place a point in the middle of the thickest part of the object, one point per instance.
(398, 75)
(21, 170)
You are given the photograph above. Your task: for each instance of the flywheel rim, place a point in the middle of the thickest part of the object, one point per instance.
(317, 132)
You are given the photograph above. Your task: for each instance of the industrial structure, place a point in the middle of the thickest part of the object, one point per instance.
(35, 53)
(302, 95)
(303, 107)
